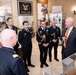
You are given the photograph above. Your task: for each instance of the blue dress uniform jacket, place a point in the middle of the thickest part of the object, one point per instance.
(11, 63)
(26, 44)
(42, 36)
(54, 33)
(25, 37)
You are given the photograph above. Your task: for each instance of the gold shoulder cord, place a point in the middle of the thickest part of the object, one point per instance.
(39, 34)
(43, 37)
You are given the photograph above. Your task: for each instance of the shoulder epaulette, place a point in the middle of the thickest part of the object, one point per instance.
(15, 55)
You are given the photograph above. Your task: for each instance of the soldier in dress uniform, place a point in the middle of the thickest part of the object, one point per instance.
(54, 33)
(10, 62)
(25, 39)
(10, 25)
(42, 36)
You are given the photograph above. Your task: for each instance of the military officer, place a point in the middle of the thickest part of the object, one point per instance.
(42, 37)
(54, 33)
(26, 44)
(10, 62)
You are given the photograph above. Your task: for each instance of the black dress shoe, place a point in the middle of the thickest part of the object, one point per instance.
(46, 64)
(31, 65)
(41, 65)
(56, 59)
(27, 70)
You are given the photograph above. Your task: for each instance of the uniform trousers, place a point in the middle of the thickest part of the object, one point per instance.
(43, 53)
(27, 51)
(55, 45)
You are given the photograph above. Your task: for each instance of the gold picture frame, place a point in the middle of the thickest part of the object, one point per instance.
(25, 8)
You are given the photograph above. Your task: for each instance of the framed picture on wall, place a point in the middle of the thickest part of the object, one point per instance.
(25, 8)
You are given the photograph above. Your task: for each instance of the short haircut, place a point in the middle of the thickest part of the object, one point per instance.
(42, 21)
(25, 22)
(8, 18)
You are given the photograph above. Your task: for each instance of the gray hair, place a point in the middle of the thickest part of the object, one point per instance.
(70, 19)
(6, 34)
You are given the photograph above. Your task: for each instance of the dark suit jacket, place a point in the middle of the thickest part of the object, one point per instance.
(13, 28)
(11, 63)
(71, 42)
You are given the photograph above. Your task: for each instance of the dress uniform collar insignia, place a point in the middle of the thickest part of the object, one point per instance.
(15, 55)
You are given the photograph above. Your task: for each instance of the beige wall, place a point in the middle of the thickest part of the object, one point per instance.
(67, 6)
(50, 4)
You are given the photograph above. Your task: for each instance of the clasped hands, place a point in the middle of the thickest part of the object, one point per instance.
(54, 40)
(45, 44)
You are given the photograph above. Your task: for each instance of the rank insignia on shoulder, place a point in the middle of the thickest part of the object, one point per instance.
(15, 55)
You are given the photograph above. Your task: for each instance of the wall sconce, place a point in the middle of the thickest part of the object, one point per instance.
(74, 12)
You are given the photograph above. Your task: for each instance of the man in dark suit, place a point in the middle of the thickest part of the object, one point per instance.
(10, 25)
(10, 62)
(26, 43)
(42, 36)
(54, 33)
(68, 38)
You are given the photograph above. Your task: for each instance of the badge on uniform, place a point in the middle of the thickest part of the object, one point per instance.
(40, 31)
(15, 55)
(24, 33)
